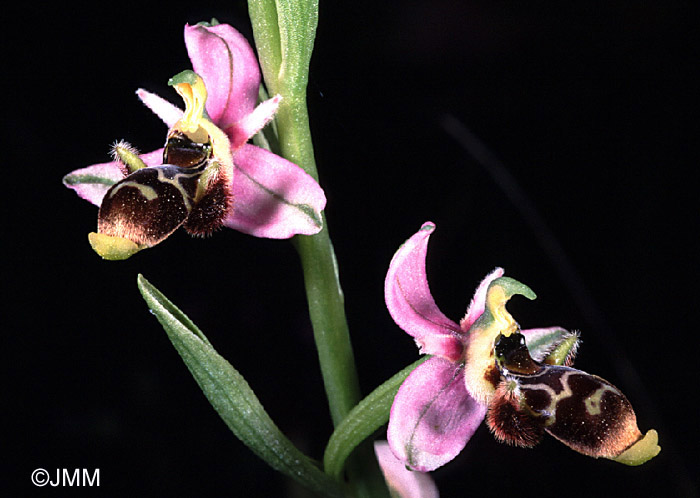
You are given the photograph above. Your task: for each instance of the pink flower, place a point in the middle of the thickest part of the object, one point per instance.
(271, 197)
(523, 378)
(441, 404)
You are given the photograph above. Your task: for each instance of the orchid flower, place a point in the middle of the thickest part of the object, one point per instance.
(479, 365)
(228, 181)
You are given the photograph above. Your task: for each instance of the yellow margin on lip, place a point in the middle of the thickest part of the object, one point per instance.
(113, 248)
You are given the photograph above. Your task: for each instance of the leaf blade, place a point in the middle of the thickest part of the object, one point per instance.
(232, 397)
(362, 421)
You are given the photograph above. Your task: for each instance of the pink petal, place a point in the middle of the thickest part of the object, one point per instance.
(226, 62)
(411, 304)
(405, 483)
(273, 197)
(166, 111)
(433, 416)
(249, 125)
(91, 183)
(478, 303)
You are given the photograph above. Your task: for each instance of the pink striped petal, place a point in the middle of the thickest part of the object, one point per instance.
(91, 183)
(403, 482)
(166, 111)
(478, 303)
(432, 416)
(226, 62)
(411, 304)
(249, 125)
(272, 197)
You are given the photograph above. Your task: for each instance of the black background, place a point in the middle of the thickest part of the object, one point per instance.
(588, 107)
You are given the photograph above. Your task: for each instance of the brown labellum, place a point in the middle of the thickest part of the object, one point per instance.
(152, 202)
(583, 411)
(149, 204)
(209, 213)
(215, 201)
(509, 422)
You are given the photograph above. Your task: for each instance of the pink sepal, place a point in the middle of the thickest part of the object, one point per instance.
(226, 62)
(432, 416)
(411, 304)
(93, 182)
(273, 197)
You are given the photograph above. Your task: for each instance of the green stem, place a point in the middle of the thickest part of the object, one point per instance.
(327, 309)
(330, 327)
(284, 33)
(323, 291)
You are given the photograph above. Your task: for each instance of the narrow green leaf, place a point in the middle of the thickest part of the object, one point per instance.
(263, 15)
(362, 421)
(284, 36)
(297, 24)
(166, 310)
(232, 397)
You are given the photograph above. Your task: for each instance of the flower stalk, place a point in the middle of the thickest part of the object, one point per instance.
(284, 35)
(285, 73)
